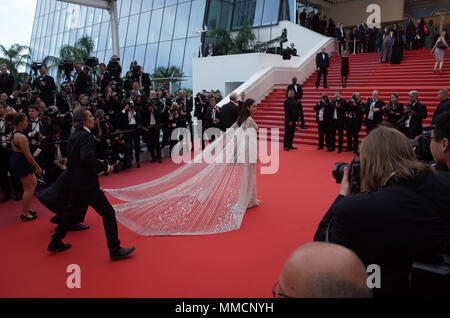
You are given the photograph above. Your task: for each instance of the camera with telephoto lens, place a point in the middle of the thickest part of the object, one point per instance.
(66, 67)
(91, 62)
(36, 66)
(353, 173)
(422, 145)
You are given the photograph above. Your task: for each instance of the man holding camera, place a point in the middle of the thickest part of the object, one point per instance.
(151, 118)
(338, 121)
(444, 104)
(103, 77)
(354, 122)
(80, 80)
(46, 85)
(415, 113)
(131, 121)
(187, 107)
(373, 111)
(324, 115)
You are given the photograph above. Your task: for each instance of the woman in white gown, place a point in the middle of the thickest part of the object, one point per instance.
(200, 197)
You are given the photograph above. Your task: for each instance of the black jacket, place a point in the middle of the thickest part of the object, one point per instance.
(392, 227)
(228, 115)
(320, 62)
(355, 113)
(82, 164)
(340, 110)
(145, 82)
(290, 111)
(327, 112)
(81, 84)
(7, 84)
(378, 116)
(415, 125)
(340, 35)
(46, 90)
(104, 81)
(443, 107)
(298, 94)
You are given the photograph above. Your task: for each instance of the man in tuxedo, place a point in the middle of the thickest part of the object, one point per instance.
(80, 81)
(292, 50)
(85, 188)
(290, 120)
(354, 122)
(131, 120)
(144, 81)
(339, 120)
(364, 33)
(324, 115)
(187, 106)
(7, 82)
(444, 104)
(298, 99)
(46, 85)
(322, 64)
(65, 98)
(151, 118)
(228, 114)
(210, 50)
(415, 113)
(342, 40)
(373, 111)
(103, 77)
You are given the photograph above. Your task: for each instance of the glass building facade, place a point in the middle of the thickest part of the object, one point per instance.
(152, 32)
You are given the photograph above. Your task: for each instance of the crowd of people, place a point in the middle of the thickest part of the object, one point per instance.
(128, 115)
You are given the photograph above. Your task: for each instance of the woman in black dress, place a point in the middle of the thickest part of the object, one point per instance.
(22, 163)
(344, 68)
(397, 45)
(394, 111)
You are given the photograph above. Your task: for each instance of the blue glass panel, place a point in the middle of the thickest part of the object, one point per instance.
(155, 26)
(125, 9)
(139, 54)
(192, 49)
(168, 23)
(123, 24)
(144, 24)
(257, 20)
(158, 4)
(127, 58)
(182, 21)
(132, 30)
(197, 15)
(170, 2)
(146, 5)
(95, 36)
(136, 6)
(104, 28)
(177, 54)
(271, 10)
(163, 54)
(150, 58)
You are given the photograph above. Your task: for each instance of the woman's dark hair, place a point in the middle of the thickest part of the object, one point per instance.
(390, 101)
(245, 113)
(15, 118)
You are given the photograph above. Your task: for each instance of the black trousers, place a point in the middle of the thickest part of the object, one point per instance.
(153, 145)
(339, 126)
(300, 112)
(319, 75)
(323, 134)
(289, 132)
(342, 46)
(133, 141)
(353, 129)
(79, 202)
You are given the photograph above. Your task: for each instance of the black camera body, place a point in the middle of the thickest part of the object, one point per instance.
(354, 175)
(91, 62)
(66, 67)
(36, 66)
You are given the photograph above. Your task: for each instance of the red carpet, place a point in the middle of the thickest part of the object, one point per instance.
(244, 263)
(366, 75)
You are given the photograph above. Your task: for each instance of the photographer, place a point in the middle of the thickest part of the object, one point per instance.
(338, 121)
(103, 78)
(186, 110)
(394, 111)
(373, 111)
(114, 69)
(324, 115)
(101, 132)
(7, 81)
(144, 81)
(397, 218)
(415, 113)
(46, 85)
(440, 142)
(80, 81)
(55, 156)
(209, 119)
(444, 104)
(152, 119)
(131, 119)
(65, 98)
(354, 123)
(119, 150)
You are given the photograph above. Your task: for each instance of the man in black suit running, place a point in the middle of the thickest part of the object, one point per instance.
(322, 64)
(298, 99)
(85, 188)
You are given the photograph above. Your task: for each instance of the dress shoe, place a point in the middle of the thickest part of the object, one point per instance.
(25, 218)
(325, 87)
(159, 161)
(303, 127)
(138, 165)
(153, 160)
(121, 252)
(319, 148)
(293, 148)
(55, 219)
(348, 150)
(33, 213)
(58, 246)
(78, 227)
(330, 150)
(286, 149)
(339, 150)
(5, 198)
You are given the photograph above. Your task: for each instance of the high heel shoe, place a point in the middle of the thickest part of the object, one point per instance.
(25, 218)
(33, 213)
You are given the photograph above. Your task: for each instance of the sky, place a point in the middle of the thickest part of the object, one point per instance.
(16, 22)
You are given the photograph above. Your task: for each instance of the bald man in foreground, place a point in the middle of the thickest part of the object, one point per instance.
(323, 270)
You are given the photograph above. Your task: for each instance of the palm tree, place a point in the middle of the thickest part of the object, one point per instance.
(167, 75)
(15, 58)
(226, 44)
(78, 53)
